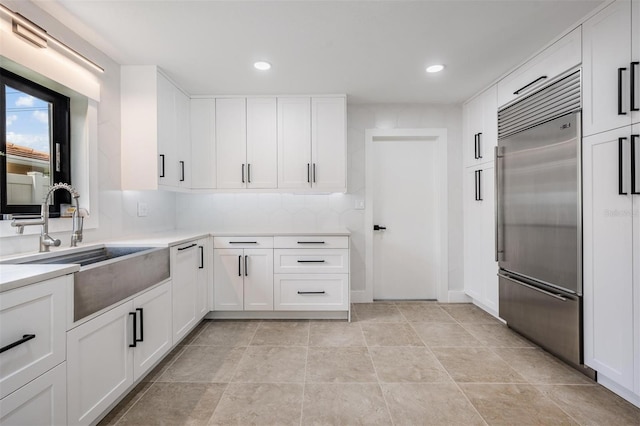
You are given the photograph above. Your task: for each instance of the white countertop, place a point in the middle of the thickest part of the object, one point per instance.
(13, 276)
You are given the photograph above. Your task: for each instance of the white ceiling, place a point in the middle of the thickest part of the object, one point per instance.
(374, 51)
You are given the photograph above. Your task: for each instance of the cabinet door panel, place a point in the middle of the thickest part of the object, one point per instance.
(472, 235)
(202, 278)
(606, 47)
(203, 143)
(228, 282)
(608, 261)
(167, 148)
(154, 328)
(328, 143)
(262, 143)
(99, 363)
(294, 142)
(231, 142)
(258, 280)
(182, 139)
(183, 276)
(635, 56)
(489, 137)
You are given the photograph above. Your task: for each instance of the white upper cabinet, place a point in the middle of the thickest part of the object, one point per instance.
(480, 127)
(294, 143)
(203, 144)
(262, 143)
(561, 56)
(328, 144)
(231, 146)
(611, 55)
(155, 140)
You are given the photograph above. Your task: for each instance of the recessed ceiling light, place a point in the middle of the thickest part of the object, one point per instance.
(262, 65)
(435, 68)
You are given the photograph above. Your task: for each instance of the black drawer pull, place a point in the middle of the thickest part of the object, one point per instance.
(310, 261)
(517, 92)
(201, 257)
(187, 247)
(310, 242)
(243, 242)
(25, 338)
(162, 164)
(311, 292)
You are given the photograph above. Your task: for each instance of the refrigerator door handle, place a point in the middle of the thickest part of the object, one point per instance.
(496, 200)
(548, 293)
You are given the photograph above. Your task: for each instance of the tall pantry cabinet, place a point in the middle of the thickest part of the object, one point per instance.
(611, 196)
(480, 133)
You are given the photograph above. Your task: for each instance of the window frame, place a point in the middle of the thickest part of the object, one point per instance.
(61, 133)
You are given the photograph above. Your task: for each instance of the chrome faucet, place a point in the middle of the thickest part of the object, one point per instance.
(46, 241)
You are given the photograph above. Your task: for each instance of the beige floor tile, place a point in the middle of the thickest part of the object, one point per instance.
(476, 365)
(194, 333)
(592, 405)
(424, 312)
(497, 335)
(175, 404)
(227, 333)
(159, 369)
(282, 333)
(444, 335)
(212, 364)
(390, 334)
(538, 366)
(515, 404)
(429, 404)
(344, 404)
(402, 364)
(123, 406)
(259, 404)
(335, 333)
(466, 312)
(272, 364)
(377, 312)
(335, 365)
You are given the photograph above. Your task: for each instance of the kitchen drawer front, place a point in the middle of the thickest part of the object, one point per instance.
(311, 292)
(243, 242)
(39, 310)
(311, 261)
(312, 241)
(42, 401)
(561, 56)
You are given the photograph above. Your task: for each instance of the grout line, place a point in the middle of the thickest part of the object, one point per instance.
(375, 370)
(304, 378)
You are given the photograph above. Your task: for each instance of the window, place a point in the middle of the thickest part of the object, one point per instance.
(35, 145)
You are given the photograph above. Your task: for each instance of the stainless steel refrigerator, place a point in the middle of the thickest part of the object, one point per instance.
(538, 217)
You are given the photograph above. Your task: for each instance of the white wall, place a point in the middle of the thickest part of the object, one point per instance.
(116, 209)
(229, 212)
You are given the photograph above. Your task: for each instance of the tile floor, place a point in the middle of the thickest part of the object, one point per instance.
(409, 363)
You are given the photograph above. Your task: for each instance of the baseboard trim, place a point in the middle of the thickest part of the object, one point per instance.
(457, 296)
(619, 390)
(339, 315)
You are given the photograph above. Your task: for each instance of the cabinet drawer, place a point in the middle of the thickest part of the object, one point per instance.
(39, 310)
(307, 292)
(311, 261)
(561, 56)
(242, 242)
(42, 401)
(311, 241)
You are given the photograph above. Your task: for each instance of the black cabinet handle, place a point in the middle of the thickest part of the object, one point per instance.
(480, 185)
(620, 165)
(634, 138)
(475, 183)
(311, 292)
(308, 173)
(314, 172)
(243, 242)
(517, 92)
(187, 247)
(480, 145)
(310, 242)
(620, 71)
(310, 261)
(141, 326)
(246, 269)
(162, 165)
(201, 257)
(181, 171)
(25, 338)
(379, 228)
(249, 173)
(135, 328)
(475, 146)
(632, 86)
(239, 266)
(243, 173)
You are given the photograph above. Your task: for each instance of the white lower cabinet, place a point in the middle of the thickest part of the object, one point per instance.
(108, 353)
(243, 279)
(42, 401)
(185, 260)
(203, 278)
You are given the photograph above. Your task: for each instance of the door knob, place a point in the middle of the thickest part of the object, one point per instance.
(379, 228)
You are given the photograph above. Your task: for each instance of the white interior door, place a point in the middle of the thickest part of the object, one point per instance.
(405, 201)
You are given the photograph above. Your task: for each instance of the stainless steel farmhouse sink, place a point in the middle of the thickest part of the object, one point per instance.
(108, 274)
